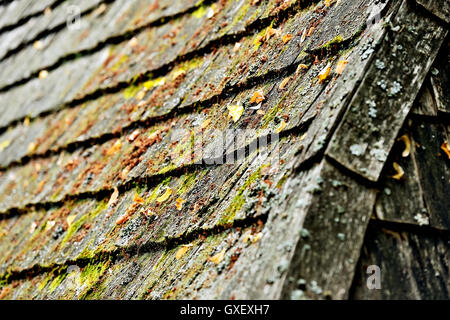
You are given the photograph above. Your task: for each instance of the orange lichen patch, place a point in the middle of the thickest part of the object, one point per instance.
(179, 203)
(182, 251)
(257, 97)
(138, 199)
(341, 66)
(217, 258)
(446, 148)
(323, 75)
(284, 83)
(124, 218)
(235, 112)
(164, 196)
(407, 143)
(286, 38)
(399, 171)
(115, 147)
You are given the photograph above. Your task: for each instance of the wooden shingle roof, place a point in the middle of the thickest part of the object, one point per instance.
(225, 149)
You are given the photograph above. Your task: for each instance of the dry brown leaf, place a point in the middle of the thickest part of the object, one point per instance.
(43, 74)
(323, 75)
(407, 143)
(182, 251)
(446, 148)
(341, 66)
(179, 203)
(399, 171)
(115, 147)
(217, 258)
(284, 83)
(257, 97)
(138, 199)
(112, 201)
(286, 38)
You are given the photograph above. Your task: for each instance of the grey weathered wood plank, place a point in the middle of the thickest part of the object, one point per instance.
(401, 200)
(413, 265)
(379, 107)
(331, 236)
(440, 8)
(434, 171)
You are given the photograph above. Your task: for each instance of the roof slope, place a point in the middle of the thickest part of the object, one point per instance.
(225, 149)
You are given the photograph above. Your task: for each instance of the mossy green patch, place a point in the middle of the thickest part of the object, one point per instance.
(239, 200)
(78, 224)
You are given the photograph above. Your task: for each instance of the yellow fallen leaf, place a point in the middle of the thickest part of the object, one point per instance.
(323, 75)
(4, 144)
(257, 97)
(31, 147)
(33, 227)
(235, 111)
(286, 38)
(26, 122)
(50, 224)
(112, 201)
(217, 258)
(138, 199)
(310, 31)
(407, 143)
(446, 148)
(205, 123)
(399, 170)
(181, 252)
(116, 147)
(329, 2)
(134, 135)
(284, 83)
(70, 219)
(37, 45)
(269, 33)
(133, 42)
(341, 66)
(165, 196)
(43, 74)
(180, 203)
(260, 112)
(141, 94)
(281, 127)
(48, 11)
(303, 37)
(256, 237)
(301, 67)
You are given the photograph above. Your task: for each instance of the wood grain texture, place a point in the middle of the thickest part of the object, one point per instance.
(378, 109)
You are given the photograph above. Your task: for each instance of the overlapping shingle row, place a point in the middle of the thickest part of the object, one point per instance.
(136, 191)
